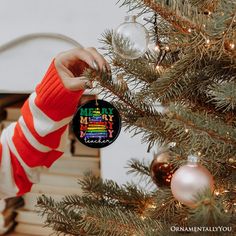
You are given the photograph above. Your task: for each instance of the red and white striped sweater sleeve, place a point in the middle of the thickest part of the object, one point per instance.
(38, 138)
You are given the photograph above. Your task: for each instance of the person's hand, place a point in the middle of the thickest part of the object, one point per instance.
(70, 65)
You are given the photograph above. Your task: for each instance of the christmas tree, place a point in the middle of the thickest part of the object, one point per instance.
(179, 94)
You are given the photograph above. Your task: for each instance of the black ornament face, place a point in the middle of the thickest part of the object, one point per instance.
(97, 124)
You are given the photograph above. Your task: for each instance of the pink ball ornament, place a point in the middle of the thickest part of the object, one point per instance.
(189, 180)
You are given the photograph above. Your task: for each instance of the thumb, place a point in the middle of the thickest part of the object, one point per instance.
(77, 83)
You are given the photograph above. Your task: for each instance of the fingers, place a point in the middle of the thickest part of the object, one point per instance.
(89, 55)
(67, 64)
(99, 59)
(77, 83)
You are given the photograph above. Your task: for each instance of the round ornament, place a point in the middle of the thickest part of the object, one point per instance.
(189, 180)
(161, 170)
(229, 46)
(130, 39)
(96, 124)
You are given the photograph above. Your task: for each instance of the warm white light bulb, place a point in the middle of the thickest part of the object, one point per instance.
(157, 48)
(232, 45)
(167, 48)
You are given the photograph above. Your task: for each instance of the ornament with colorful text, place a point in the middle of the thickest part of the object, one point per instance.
(96, 124)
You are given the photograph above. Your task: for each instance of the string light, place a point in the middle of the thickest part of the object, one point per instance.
(207, 41)
(207, 13)
(229, 45)
(189, 30)
(143, 217)
(157, 48)
(160, 69)
(232, 45)
(152, 206)
(217, 193)
(167, 48)
(186, 130)
(172, 144)
(199, 153)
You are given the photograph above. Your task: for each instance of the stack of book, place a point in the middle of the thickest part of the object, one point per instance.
(59, 180)
(8, 213)
(8, 206)
(11, 101)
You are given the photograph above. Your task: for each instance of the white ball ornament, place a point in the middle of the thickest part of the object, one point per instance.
(189, 180)
(130, 39)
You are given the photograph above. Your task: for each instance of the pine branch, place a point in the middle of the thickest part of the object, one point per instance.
(139, 68)
(165, 207)
(126, 96)
(181, 16)
(123, 44)
(93, 219)
(186, 128)
(58, 218)
(138, 168)
(203, 132)
(224, 96)
(184, 16)
(117, 222)
(174, 81)
(205, 5)
(151, 128)
(127, 196)
(208, 211)
(219, 167)
(184, 74)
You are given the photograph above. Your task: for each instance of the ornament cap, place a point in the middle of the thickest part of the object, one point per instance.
(193, 159)
(131, 18)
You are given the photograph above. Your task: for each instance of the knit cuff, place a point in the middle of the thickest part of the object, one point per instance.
(56, 101)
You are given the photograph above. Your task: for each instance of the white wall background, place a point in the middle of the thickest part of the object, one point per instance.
(23, 66)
